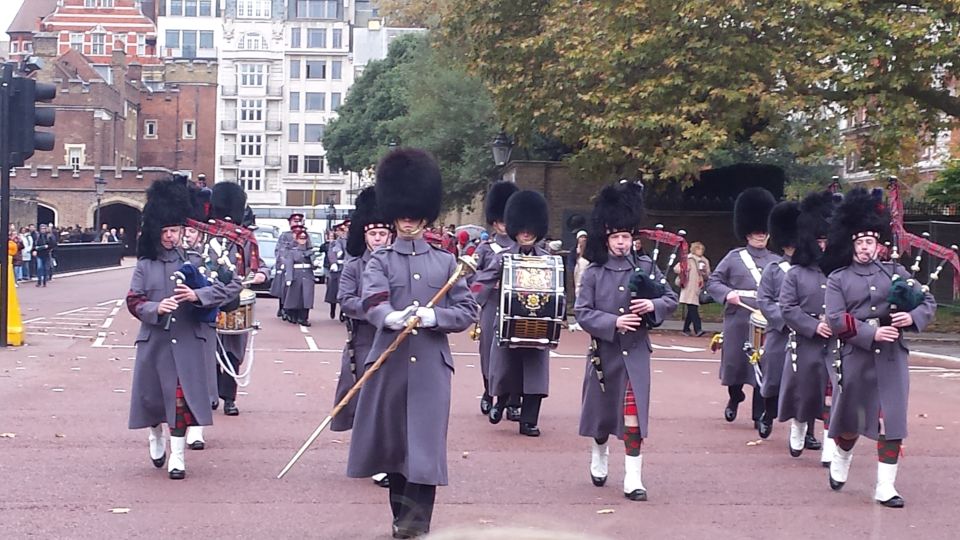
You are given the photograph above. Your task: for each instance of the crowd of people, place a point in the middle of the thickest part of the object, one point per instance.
(33, 249)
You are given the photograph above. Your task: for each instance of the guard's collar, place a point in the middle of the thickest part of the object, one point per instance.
(410, 247)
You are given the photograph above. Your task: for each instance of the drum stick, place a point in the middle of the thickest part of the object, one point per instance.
(465, 266)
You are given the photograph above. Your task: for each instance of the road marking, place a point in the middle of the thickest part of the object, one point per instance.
(117, 302)
(935, 356)
(28, 321)
(72, 336)
(304, 329)
(72, 311)
(107, 323)
(311, 343)
(680, 348)
(101, 337)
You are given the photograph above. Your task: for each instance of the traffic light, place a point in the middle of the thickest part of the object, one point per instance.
(24, 116)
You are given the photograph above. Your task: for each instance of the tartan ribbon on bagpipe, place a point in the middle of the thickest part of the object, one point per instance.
(243, 237)
(672, 240)
(907, 241)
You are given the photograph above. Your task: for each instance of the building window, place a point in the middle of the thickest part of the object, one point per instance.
(176, 8)
(206, 8)
(76, 42)
(141, 45)
(337, 38)
(295, 68)
(316, 101)
(253, 42)
(294, 134)
(313, 164)
(99, 47)
(189, 129)
(253, 8)
(251, 179)
(319, 9)
(312, 197)
(251, 74)
(336, 70)
(98, 3)
(172, 39)
(251, 145)
(149, 129)
(313, 133)
(294, 101)
(316, 38)
(206, 39)
(251, 110)
(293, 164)
(75, 155)
(294, 38)
(189, 8)
(335, 99)
(316, 69)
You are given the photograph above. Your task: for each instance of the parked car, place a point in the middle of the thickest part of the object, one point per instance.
(319, 272)
(268, 247)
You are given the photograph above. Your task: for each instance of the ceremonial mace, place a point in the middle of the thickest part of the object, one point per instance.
(465, 265)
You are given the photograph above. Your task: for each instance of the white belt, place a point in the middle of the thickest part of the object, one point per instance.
(303, 265)
(746, 294)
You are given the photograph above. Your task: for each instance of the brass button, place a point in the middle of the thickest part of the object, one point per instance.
(873, 288)
(824, 306)
(824, 286)
(416, 276)
(173, 319)
(174, 341)
(414, 331)
(873, 308)
(413, 358)
(416, 303)
(876, 351)
(620, 287)
(621, 310)
(625, 353)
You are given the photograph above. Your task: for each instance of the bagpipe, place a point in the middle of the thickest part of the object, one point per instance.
(643, 282)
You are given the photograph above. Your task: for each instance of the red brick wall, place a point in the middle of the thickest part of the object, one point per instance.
(170, 109)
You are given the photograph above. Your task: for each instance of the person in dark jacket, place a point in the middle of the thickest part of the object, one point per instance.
(400, 425)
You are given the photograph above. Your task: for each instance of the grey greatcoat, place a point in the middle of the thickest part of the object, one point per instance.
(181, 353)
(298, 277)
(733, 274)
(521, 370)
(487, 294)
(874, 375)
(336, 254)
(279, 285)
(236, 344)
(802, 394)
(402, 414)
(360, 342)
(776, 335)
(604, 296)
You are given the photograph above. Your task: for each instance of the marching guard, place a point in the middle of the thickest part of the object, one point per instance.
(336, 254)
(486, 295)
(401, 419)
(287, 239)
(170, 377)
(783, 235)
(734, 283)
(519, 375)
(616, 385)
(869, 305)
(806, 375)
(368, 232)
(298, 288)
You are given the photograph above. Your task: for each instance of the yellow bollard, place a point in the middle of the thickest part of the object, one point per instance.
(14, 323)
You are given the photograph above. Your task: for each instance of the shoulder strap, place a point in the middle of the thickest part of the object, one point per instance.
(751, 265)
(785, 266)
(497, 248)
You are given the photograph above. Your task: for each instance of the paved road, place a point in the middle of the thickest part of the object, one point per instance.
(71, 460)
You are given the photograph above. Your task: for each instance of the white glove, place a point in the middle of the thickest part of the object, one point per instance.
(334, 267)
(289, 282)
(575, 327)
(428, 317)
(396, 320)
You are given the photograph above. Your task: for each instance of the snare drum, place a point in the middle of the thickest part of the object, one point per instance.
(758, 325)
(239, 320)
(532, 302)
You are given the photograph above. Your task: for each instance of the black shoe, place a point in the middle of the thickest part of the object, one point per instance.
(794, 453)
(486, 402)
(513, 414)
(230, 408)
(700, 333)
(197, 445)
(383, 482)
(304, 322)
(158, 463)
(764, 426)
(894, 502)
(279, 312)
(636, 495)
(405, 532)
(598, 481)
(496, 414)
(730, 411)
(685, 333)
(215, 405)
(528, 429)
(834, 485)
(811, 443)
(177, 474)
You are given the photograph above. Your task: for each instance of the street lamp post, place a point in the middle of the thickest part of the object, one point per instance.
(501, 146)
(100, 184)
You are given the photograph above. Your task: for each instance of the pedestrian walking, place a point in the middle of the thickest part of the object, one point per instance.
(698, 270)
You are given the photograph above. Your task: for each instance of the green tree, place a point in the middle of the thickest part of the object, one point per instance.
(946, 188)
(663, 86)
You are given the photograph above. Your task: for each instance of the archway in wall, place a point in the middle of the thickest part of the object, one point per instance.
(117, 215)
(46, 214)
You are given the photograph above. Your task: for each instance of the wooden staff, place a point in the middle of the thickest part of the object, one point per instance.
(465, 266)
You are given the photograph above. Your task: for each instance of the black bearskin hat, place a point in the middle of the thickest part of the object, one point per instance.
(783, 224)
(200, 206)
(366, 216)
(228, 201)
(860, 214)
(527, 211)
(816, 209)
(496, 201)
(409, 185)
(249, 218)
(168, 203)
(618, 208)
(751, 211)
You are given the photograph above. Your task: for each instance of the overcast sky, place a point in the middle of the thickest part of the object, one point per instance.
(8, 10)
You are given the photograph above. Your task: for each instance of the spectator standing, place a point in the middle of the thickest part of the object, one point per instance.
(26, 240)
(42, 254)
(698, 270)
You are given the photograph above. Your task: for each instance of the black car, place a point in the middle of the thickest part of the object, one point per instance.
(267, 249)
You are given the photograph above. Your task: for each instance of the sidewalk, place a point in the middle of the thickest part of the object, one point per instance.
(926, 337)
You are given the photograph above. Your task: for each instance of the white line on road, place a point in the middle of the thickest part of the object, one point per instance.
(304, 329)
(935, 356)
(111, 302)
(35, 319)
(311, 343)
(107, 323)
(72, 311)
(101, 337)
